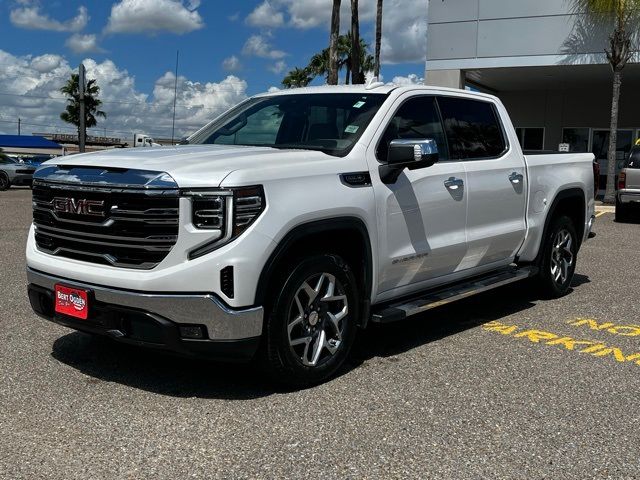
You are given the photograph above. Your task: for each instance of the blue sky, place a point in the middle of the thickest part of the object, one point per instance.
(228, 50)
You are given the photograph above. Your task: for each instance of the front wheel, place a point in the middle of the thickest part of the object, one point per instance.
(312, 323)
(4, 181)
(559, 254)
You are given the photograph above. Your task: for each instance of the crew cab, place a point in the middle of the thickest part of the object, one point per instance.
(299, 217)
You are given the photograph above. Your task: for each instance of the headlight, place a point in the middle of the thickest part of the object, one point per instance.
(229, 211)
(208, 211)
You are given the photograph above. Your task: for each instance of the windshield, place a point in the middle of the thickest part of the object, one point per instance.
(7, 161)
(329, 122)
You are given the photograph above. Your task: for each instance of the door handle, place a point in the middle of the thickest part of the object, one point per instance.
(516, 178)
(453, 183)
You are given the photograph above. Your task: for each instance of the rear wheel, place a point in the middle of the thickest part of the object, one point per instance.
(312, 323)
(559, 253)
(4, 181)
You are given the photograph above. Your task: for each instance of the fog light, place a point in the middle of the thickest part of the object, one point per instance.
(193, 331)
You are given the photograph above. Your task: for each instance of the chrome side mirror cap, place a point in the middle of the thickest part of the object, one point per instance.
(408, 153)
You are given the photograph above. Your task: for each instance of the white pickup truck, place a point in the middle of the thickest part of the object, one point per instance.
(299, 217)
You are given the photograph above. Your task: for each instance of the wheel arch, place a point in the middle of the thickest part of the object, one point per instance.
(571, 202)
(315, 237)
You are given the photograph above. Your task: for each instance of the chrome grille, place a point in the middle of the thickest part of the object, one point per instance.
(124, 227)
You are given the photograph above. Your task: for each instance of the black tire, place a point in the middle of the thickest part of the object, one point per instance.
(622, 212)
(4, 182)
(554, 277)
(287, 324)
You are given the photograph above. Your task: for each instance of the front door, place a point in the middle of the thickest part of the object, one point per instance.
(421, 217)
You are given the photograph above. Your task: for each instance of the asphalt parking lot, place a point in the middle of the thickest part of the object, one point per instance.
(502, 385)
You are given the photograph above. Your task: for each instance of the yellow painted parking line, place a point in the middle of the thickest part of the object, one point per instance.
(599, 214)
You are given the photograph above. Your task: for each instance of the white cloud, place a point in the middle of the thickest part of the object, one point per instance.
(231, 64)
(31, 18)
(81, 43)
(34, 84)
(260, 47)
(266, 16)
(317, 13)
(153, 16)
(273, 89)
(278, 67)
(411, 79)
(404, 31)
(404, 24)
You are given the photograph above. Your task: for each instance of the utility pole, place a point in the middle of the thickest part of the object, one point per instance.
(19, 122)
(82, 128)
(175, 95)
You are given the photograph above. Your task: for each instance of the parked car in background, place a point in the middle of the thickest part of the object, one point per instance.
(12, 172)
(36, 160)
(628, 195)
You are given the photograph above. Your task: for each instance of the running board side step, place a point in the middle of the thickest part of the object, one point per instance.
(435, 298)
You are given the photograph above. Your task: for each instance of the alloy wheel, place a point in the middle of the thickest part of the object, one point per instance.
(316, 320)
(561, 256)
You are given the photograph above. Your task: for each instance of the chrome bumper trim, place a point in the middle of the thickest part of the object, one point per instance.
(222, 323)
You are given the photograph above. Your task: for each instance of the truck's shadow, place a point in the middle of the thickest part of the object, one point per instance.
(156, 372)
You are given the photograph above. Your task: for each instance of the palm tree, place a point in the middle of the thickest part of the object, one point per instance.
(91, 103)
(332, 78)
(319, 63)
(357, 76)
(623, 16)
(298, 77)
(376, 69)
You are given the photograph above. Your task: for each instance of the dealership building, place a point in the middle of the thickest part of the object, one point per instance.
(544, 61)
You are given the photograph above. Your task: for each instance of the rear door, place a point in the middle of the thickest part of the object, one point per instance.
(496, 180)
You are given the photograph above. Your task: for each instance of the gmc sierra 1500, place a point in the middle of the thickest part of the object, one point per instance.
(299, 216)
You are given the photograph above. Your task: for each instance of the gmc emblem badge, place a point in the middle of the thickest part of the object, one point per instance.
(80, 206)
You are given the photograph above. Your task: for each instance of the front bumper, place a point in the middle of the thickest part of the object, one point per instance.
(22, 179)
(155, 320)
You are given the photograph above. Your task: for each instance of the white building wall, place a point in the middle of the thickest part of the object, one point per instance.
(492, 33)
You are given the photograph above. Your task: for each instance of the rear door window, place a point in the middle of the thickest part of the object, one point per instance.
(472, 127)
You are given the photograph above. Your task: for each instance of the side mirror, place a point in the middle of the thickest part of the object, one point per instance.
(411, 154)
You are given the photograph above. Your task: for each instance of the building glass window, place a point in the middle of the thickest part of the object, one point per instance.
(472, 127)
(577, 138)
(531, 138)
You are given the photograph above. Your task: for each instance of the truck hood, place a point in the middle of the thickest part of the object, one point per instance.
(193, 166)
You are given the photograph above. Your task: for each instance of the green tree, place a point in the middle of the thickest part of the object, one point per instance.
(319, 63)
(298, 77)
(621, 16)
(92, 104)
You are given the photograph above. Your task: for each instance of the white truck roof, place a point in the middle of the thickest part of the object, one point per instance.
(374, 88)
